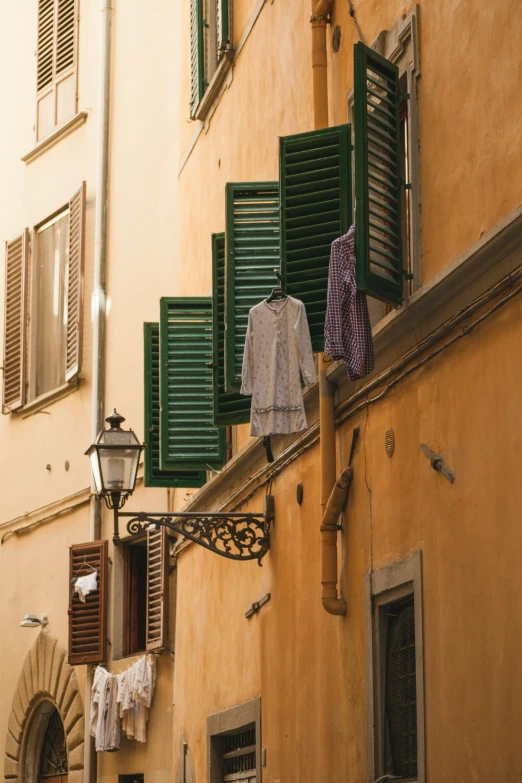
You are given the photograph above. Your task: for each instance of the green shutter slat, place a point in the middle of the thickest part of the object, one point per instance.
(189, 440)
(316, 208)
(223, 26)
(378, 245)
(154, 476)
(197, 62)
(229, 407)
(252, 254)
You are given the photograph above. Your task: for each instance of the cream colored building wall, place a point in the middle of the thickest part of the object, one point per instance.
(142, 236)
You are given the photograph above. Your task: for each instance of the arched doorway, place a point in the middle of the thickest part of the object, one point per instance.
(45, 756)
(53, 756)
(47, 685)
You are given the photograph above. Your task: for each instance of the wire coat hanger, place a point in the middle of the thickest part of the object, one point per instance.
(278, 292)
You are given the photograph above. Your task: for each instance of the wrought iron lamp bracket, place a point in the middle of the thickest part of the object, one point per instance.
(235, 535)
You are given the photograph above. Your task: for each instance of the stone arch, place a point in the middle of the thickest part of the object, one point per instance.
(46, 678)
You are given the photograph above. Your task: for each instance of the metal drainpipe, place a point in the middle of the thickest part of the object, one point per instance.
(332, 604)
(99, 318)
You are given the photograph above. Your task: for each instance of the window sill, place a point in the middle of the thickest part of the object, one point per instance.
(213, 90)
(36, 406)
(60, 133)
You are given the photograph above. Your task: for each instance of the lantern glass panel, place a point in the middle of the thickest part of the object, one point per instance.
(119, 462)
(95, 467)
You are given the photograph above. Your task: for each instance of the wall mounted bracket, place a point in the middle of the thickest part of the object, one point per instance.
(437, 463)
(234, 535)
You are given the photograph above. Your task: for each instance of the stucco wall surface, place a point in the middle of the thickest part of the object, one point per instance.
(309, 667)
(470, 133)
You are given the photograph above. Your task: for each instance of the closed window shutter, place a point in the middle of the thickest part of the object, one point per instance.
(252, 254)
(154, 476)
(197, 63)
(229, 407)
(157, 588)
(65, 54)
(316, 208)
(45, 48)
(222, 26)
(88, 621)
(189, 440)
(377, 176)
(15, 322)
(75, 283)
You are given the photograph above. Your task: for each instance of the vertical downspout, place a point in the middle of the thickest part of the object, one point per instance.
(99, 318)
(332, 604)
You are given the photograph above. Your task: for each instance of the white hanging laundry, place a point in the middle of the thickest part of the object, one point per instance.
(277, 347)
(85, 585)
(99, 706)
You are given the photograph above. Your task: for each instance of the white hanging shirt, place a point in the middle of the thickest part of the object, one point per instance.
(277, 346)
(86, 584)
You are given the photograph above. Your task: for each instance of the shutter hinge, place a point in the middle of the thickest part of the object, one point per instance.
(205, 24)
(407, 275)
(406, 185)
(404, 96)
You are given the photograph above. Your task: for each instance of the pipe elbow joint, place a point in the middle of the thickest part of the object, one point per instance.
(335, 606)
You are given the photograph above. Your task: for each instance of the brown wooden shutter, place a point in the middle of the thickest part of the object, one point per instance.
(65, 35)
(157, 588)
(45, 50)
(75, 283)
(15, 322)
(88, 621)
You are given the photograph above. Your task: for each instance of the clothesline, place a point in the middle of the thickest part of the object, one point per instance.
(121, 702)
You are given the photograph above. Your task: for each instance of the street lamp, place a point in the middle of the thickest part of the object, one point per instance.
(114, 459)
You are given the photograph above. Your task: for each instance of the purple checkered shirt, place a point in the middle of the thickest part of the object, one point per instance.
(347, 330)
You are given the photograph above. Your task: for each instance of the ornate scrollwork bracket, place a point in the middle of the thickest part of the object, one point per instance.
(235, 535)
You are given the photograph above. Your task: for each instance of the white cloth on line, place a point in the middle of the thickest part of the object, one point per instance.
(99, 705)
(86, 584)
(277, 346)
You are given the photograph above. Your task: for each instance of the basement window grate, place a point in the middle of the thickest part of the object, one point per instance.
(239, 753)
(401, 688)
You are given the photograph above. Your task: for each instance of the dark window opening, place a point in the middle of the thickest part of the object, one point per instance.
(235, 755)
(135, 598)
(239, 752)
(53, 757)
(137, 778)
(401, 690)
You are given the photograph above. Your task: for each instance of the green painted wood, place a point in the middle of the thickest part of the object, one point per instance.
(223, 26)
(316, 208)
(154, 476)
(378, 241)
(252, 254)
(197, 55)
(229, 407)
(189, 440)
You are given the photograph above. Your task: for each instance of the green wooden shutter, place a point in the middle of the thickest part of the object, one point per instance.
(223, 26)
(252, 254)
(197, 61)
(229, 407)
(377, 176)
(189, 440)
(154, 476)
(316, 208)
